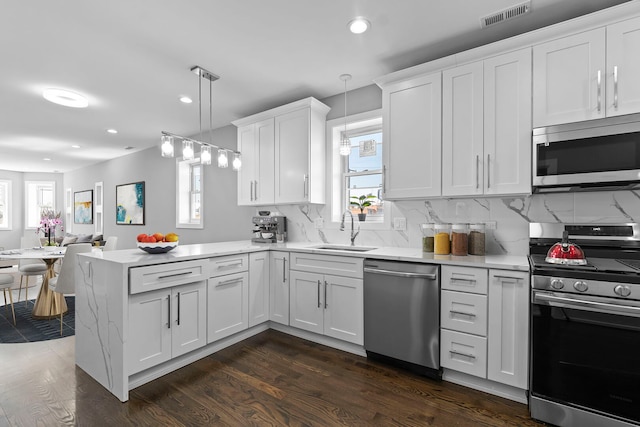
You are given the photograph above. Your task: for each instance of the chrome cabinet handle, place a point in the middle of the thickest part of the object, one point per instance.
(318, 293)
(599, 91)
(470, 356)
(477, 172)
(384, 179)
(488, 170)
(251, 191)
(169, 311)
(615, 87)
(228, 282)
(227, 266)
(184, 273)
(284, 270)
(305, 185)
(463, 313)
(325, 294)
(178, 319)
(255, 189)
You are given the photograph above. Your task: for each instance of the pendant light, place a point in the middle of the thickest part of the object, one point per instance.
(345, 143)
(167, 139)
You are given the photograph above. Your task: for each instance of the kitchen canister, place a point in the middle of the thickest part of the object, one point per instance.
(459, 239)
(442, 239)
(428, 234)
(477, 239)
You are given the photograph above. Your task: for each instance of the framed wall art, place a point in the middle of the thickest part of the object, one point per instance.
(83, 207)
(130, 204)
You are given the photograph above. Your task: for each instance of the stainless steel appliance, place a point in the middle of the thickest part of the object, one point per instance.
(269, 229)
(585, 327)
(402, 315)
(600, 154)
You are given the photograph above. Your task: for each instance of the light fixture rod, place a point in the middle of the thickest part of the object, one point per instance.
(184, 138)
(205, 73)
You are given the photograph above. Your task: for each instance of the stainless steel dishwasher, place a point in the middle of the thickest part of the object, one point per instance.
(402, 315)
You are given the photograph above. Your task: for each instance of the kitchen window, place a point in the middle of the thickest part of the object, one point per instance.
(189, 194)
(39, 195)
(360, 173)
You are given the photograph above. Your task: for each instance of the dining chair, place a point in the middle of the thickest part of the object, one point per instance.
(6, 280)
(110, 244)
(64, 283)
(29, 267)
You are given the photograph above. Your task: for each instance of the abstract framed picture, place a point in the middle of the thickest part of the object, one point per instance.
(83, 207)
(130, 204)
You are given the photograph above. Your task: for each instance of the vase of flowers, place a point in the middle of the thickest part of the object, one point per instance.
(49, 221)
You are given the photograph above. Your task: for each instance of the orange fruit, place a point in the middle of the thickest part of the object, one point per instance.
(158, 236)
(140, 237)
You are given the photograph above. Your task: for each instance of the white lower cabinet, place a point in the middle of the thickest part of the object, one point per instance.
(228, 297)
(485, 323)
(258, 288)
(166, 323)
(327, 304)
(279, 287)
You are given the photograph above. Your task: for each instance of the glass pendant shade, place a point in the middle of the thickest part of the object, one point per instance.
(167, 146)
(237, 162)
(205, 155)
(223, 159)
(187, 150)
(345, 146)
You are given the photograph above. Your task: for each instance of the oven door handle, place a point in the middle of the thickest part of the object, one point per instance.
(576, 303)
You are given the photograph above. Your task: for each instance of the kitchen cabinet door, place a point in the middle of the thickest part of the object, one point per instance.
(344, 308)
(508, 330)
(258, 288)
(149, 341)
(462, 130)
(227, 305)
(279, 287)
(189, 318)
(256, 176)
(507, 123)
(569, 79)
(623, 67)
(306, 309)
(413, 140)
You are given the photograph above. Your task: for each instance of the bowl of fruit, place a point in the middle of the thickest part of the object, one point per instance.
(157, 243)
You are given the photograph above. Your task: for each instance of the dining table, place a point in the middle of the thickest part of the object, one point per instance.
(48, 304)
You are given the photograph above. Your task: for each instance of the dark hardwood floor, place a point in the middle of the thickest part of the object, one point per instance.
(271, 379)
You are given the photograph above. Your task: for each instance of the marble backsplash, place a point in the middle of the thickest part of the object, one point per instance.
(511, 216)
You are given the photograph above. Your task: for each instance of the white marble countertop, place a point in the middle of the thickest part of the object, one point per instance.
(136, 257)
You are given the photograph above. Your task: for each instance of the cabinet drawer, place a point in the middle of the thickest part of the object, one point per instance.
(463, 352)
(463, 312)
(222, 265)
(327, 264)
(149, 278)
(465, 279)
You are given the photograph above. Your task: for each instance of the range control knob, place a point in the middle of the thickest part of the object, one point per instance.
(557, 284)
(580, 286)
(622, 290)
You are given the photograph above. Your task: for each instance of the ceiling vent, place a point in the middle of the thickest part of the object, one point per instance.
(506, 14)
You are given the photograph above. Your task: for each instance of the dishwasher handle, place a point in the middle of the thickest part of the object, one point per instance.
(429, 276)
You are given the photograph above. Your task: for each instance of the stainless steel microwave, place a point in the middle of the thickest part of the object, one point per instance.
(602, 154)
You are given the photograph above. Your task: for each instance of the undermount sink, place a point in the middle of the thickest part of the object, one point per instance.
(345, 248)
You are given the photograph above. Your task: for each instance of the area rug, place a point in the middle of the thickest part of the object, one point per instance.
(29, 329)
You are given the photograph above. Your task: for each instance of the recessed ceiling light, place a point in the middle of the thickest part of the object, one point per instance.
(75, 146)
(112, 131)
(358, 25)
(65, 97)
(186, 99)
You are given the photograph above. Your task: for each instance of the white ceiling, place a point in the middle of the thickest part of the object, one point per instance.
(131, 58)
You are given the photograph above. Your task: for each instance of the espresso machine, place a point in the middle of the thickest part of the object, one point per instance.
(269, 229)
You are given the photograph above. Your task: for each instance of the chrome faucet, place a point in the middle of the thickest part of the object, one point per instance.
(353, 234)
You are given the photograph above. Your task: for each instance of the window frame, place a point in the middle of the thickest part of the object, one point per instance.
(28, 208)
(336, 178)
(185, 193)
(5, 223)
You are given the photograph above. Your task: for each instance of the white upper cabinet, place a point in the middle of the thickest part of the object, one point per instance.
(256, 176)
(413, 140)
(623, 67)
(283, 152)
(486, 130)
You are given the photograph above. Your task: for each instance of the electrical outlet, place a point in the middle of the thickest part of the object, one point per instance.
(319, 223)
(491, 225)
(400, 224)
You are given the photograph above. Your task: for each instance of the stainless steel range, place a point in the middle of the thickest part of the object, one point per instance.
(585, 326)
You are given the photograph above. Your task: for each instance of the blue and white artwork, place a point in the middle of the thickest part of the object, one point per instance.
(130, 204)
(83, 207)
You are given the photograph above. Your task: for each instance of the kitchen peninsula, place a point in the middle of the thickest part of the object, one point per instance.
(131, 328)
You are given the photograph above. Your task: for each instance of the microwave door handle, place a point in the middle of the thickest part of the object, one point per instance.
(580, 304)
